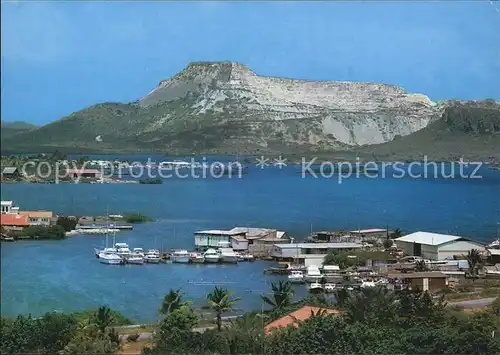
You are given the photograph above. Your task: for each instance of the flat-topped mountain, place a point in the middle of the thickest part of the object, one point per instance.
(224, 107)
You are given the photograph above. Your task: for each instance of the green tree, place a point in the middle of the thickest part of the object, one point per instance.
(103, 318)
(282, 295)
(173, 301)
(474, 260)
(396, 234)
(420, 266)
(221, 301)
(67, 223)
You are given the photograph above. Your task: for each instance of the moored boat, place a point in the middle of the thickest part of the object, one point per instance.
(110, 258)
(211, 256)
(296, 277)
(329, 287)
(152, 256)
(315, 287)
(180, 256)
(196, 258)
(135, 259)
(228, 255)
(313, 274)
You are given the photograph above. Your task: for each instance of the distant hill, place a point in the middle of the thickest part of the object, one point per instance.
(224, 107)
(9, 129)
(466, 129)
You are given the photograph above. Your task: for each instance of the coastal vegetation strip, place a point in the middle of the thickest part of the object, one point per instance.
(371, 320)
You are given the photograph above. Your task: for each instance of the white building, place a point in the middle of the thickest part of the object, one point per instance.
(302, 251)
(435, 246)
(8, 207)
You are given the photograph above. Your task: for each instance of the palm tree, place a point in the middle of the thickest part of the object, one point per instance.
(220, 301)
(173, 301)
(420, 265)
(282, 295)
(396, 234)
(341, 297)
(474, 260)
(103, 318)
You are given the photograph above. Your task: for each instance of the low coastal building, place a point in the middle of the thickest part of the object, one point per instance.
(307, 252)
(83, 173)
(11, 173)
(432, 281)
(295, 318)
(257, 241)
(371, 233)
(39, 218)
(8, 207)
(13, 222)
(434, 246)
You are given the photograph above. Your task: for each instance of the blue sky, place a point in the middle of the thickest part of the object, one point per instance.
(58, 58)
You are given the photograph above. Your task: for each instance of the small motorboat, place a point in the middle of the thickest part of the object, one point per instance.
(152, 256)
(138, 252)
(134, 259)
(315, 287)
(211, 256)
(110, 259)
(180, 256)
(296, 277)
(196, 258)
(329, 288)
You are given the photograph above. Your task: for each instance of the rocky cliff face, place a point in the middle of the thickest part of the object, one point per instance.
(224, 107)
(309, 112)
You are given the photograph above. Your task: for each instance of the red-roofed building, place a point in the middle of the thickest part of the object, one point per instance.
(299, 315)
(83, 173)
(13, 222)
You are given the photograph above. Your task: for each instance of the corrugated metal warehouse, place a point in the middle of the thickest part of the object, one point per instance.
(435, 246)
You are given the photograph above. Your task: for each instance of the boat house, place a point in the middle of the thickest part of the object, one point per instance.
(39, 218)
(434, 246)
(432, 281)
(302, 251)
(256, 241)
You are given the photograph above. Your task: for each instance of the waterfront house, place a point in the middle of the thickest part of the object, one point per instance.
(8, 207)
(214, 238)
(38, 218)
(314, 252)
(300, 315)
(257, 241)
(13, 222)
(83, 173)
(432, 281)
(11, 173)
(434, 246)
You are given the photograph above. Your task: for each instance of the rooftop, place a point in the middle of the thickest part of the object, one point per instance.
(37, 214)
(220, 232)
(372, 230)
(13, 220)
(82, 171)
(319, 245)
(428, 238)
(419, 275)
(9, 170)
(299, 315)
(6, 203)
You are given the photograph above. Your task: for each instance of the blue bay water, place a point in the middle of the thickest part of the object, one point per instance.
(41, 276)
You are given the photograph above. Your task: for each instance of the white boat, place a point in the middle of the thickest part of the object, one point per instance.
(211, 256)
(249, 257)
(313, 274)
(228, 255)
(180, 256)
(152, 256)
(368, 283)
(196, 258)
(123, 250)
(138, 252)
(240, 257)
(329, 287)
(110, 259)
(135, 259)
(296, 277)
(315, 287)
